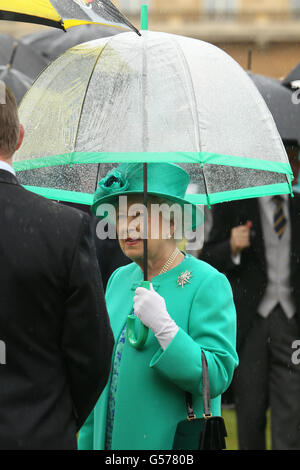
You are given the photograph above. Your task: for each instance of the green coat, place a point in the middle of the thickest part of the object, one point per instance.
(150, 398)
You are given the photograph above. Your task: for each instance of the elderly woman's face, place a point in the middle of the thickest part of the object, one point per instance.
(130, 228)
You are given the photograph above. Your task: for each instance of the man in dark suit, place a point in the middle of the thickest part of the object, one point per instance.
(53, 318)
(256, 244)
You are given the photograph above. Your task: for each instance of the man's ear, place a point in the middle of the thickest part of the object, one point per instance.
(21, 137)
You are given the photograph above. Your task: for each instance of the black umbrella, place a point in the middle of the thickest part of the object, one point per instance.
(25, 59)
(293, 78)
(17, 81)
(278, 98)
(52, 43)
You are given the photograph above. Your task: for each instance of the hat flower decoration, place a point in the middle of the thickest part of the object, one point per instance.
(113, 183)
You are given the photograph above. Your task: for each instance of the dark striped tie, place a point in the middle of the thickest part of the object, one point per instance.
(280, 222)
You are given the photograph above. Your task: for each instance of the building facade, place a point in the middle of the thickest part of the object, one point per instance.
(268, 28)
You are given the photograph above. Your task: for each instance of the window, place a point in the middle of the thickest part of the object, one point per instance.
(295, 6)
(132, 6)
(220, 7)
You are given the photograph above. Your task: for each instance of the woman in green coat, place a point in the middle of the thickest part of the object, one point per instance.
(188, 309)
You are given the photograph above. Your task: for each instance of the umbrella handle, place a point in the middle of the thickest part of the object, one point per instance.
(138, 341)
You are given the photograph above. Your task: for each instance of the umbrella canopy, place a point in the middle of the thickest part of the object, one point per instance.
(23, 57)
(64, 14)
(132, 99)
(19, 65)
(279, 100)
(13, 54)
(54, 42)
(17, 81)
(293, 78)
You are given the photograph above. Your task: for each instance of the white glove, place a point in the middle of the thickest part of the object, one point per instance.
(151, 309)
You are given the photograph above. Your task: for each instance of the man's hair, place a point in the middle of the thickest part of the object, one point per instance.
(9, 124)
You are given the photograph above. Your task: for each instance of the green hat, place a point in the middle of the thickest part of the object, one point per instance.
(165, 180)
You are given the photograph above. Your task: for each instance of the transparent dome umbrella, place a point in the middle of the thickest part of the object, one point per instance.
(158, 97)
(64, 14)
(155, 98)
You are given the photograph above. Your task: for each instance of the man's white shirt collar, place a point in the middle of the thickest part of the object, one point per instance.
(5, 166)
(266, 199)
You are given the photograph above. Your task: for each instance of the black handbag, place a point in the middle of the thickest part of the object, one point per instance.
(207, 433)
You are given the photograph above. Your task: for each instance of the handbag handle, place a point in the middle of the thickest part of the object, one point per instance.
(205, 393)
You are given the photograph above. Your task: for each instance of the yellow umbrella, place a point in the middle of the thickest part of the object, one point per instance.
(64, 14)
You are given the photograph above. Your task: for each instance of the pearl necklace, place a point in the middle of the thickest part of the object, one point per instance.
(170, 261)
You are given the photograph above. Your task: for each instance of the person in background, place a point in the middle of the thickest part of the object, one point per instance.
(255, 243)
(53, 319)
(109, 254)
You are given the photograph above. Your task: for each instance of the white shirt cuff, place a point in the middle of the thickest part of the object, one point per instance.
(236, 259)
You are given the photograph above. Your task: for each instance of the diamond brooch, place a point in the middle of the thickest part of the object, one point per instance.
(184, 278)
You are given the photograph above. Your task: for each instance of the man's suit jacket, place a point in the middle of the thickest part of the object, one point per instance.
(249, 279)
(53, 321)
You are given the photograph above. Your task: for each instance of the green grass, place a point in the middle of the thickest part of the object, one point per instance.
(231, 426)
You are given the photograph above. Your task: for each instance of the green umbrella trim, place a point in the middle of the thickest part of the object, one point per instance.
(62, 195)
(214, 198)
(148, 157)
(245, 193)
